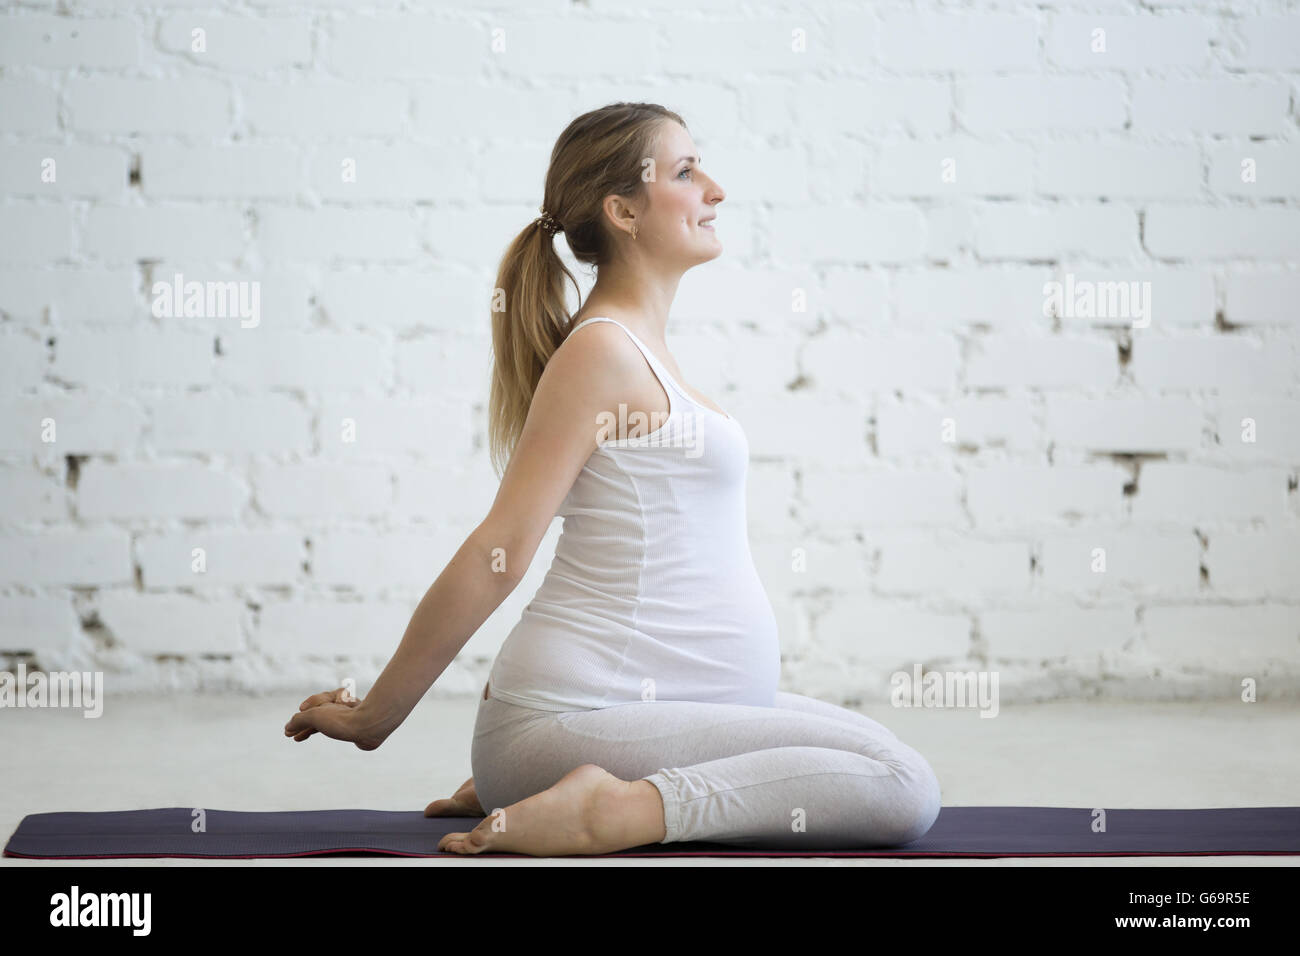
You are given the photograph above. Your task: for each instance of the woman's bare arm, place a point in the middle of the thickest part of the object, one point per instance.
(587, 375)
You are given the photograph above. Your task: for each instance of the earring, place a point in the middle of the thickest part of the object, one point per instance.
(634, 231)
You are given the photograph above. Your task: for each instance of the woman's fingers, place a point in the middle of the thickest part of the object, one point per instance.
(333, 719)
(340, 695)
(300, 726)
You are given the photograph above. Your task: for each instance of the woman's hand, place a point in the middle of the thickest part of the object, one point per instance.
(337, 714)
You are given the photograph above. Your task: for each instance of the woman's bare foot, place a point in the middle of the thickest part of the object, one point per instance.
(463, 803)
(589, 811)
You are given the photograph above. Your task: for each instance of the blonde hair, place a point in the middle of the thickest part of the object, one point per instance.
(598, 154)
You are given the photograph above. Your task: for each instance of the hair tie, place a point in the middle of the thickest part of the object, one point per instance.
(547, 222)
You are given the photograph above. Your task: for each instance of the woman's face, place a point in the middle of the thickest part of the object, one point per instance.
(675, 221)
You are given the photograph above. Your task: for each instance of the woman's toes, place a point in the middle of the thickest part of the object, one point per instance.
(457, 806)
(444, 807)
(475, 841)
(480, 838)
(454, 843)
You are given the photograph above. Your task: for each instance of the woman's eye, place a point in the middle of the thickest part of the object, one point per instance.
(683, 172)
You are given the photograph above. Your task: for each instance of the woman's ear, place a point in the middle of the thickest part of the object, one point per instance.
(620, 212)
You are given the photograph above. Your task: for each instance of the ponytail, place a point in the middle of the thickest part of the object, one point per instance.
(530, 320)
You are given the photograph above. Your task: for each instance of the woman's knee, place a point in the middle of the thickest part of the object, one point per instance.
(920, 802)
(485, 784)
(496, 774)
(509, 771)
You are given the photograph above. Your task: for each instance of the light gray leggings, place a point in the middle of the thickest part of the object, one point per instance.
(804, 774)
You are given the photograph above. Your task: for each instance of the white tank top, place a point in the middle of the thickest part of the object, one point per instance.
(653, 593)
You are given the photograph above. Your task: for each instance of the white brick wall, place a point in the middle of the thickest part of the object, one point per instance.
(944, 470)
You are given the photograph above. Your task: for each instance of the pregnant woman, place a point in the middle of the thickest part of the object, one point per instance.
(636, 699)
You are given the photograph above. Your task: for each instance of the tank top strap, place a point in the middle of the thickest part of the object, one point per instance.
(658, 366)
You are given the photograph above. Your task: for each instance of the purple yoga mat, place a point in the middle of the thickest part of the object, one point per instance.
(959, 832)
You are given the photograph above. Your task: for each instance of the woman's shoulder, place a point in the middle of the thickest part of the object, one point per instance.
(601, 337)
(599, 349)
(585, 318)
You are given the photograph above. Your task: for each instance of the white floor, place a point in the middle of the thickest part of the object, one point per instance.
(229, 753)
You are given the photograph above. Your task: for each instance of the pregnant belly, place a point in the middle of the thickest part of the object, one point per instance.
(598, 664)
